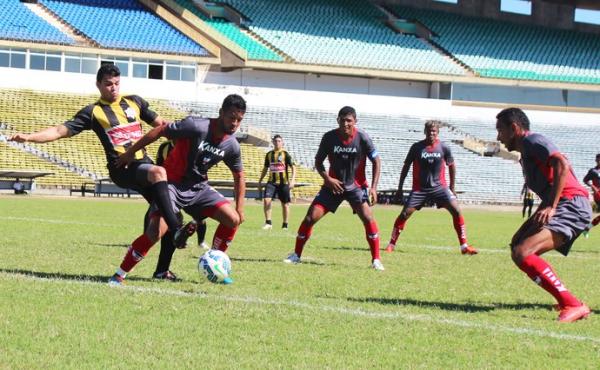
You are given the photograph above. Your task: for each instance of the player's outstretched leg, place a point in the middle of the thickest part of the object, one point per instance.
(135, 254)
(313, 215)
(396, 231)
(460, 228)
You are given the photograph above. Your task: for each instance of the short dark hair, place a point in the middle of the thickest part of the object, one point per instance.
(234, 101)
(277, 136)
(346, 111)
(432, 123)
(107, 70)
(510, 115)
(597, 156)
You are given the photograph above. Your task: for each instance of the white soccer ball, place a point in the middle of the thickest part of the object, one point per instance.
(215, 265)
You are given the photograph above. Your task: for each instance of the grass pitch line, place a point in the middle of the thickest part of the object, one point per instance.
(325, 308)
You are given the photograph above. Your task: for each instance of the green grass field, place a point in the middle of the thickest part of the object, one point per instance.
(431, 308)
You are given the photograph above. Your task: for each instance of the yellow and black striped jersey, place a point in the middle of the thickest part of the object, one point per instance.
(278, 162)
(117, 125)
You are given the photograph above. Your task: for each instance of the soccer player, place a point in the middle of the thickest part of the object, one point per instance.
(560, 218)
(279, 163)
(200, 143)
(528, 196)
(592, 179)
(116, 120)
(344, 147)
(429, 158)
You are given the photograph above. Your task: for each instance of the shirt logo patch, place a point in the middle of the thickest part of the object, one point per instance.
(130, 113)
(206, 147)
(340, 149)
(124, 134)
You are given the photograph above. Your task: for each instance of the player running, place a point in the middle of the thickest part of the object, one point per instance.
(592, 179)
(344, 147)
(279, 163)
(116, 120)
(562, 215)
(429, 159)
(200, 143)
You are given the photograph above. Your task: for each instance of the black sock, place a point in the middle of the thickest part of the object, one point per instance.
(167, 248)
(201, 231)
(284, 225)
(160, 195)
(268, 222)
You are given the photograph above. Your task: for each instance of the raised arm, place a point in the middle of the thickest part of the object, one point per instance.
(150, 137)
(44, 136)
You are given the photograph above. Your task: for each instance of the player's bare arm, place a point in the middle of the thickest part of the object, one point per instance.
(44, 136)
(375, 179)
(239, 189)
(292, 182)
(145, 140)
(336, 186)
(452, 173)
(560, 167)
(403, 174)
(158, 121)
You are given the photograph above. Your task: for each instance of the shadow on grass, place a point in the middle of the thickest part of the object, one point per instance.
(464, 307)
(62, 276)
(115, 245)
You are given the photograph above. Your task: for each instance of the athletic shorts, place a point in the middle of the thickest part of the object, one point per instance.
(199, 201)
(281, 191)
(440, 196)
(134, 176)
(528, 202)
(570, 219)
(331, 201)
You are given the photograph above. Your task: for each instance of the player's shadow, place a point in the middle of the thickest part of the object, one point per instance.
(255, 260)
(346, 248)
(115, 245)
(62, 276)
(448, 306)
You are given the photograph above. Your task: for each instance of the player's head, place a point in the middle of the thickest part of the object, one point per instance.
(277, 142)
(108, 81)
(432, 130)
(232, 113)
(598, 159)
(346, 120)
(511, 124)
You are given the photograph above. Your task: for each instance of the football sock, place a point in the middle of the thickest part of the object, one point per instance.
(167, 248)
(304, 233)
(542, 274)
(223, 237)
(284, 225)
(596, 221)
(136, 252)
(162, 199)
(372, 233)
(461, 230)
(398, 227)
(201, 231)
(268, 222)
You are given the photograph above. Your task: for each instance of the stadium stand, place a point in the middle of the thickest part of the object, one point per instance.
(124, 24)
(515, 51)
(17, 22)
(255, 49)
(340, 33)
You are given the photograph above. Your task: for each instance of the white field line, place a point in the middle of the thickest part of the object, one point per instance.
(455, 249)
(333, 309)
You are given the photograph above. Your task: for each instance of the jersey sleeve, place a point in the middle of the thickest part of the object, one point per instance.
(81, 121)
(234, 160)
(289, 161)
(410, 156)
(589, 176)
(370, 149)
(146, 114)
(186, 127)
(267, 162)
(448, 158)
(322, 153)
(541, 149)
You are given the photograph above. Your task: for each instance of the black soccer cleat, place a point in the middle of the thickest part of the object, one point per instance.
(167, 275)
(181, 236)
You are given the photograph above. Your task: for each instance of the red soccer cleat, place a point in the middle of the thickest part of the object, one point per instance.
(571, 314)
(390, 248)
(468, 250)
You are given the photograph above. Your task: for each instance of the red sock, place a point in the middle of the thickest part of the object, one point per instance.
(398, 227)
(373, 238)
(138, 250)
(542, 274)
(461, 230)
(304, 233)
(223, 237)
(596, 221)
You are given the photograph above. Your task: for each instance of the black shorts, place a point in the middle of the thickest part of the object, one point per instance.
(134, 176)
(440, 196)
(330, 202)
(281, 191)
(528, 202)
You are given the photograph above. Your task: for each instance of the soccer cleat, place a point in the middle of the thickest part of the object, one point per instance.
(284, 227)
(116, 280)
(227, 281)
(204, 246)
(183, 233)
(390, 248)
(267, 227)
(468, 250)
(571, 314)
(167, 275)
(292, 258)
(377, 265)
